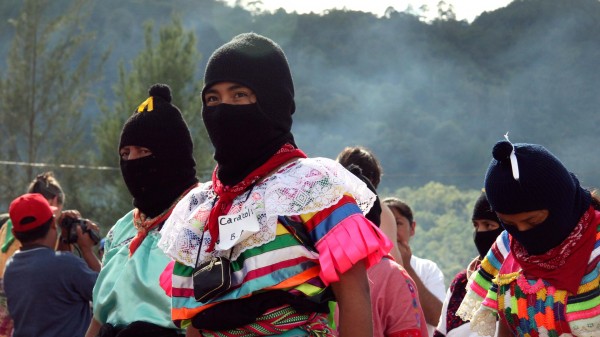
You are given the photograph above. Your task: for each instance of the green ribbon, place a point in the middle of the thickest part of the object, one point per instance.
(10, 238)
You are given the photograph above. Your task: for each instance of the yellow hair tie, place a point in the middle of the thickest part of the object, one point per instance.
(149, 104)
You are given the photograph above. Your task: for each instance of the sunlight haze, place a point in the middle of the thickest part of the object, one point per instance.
(464, 9)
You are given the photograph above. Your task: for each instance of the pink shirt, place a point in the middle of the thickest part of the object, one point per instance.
(394, 302)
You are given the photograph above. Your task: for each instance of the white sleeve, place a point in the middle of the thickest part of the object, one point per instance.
(437, 286)
(441, 327)
(431, 275)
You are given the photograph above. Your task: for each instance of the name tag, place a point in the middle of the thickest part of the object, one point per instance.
(236, 228)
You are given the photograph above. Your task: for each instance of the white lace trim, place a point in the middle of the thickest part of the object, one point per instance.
(484, 322)
(469, 305)
(587, 327)
(470, 302)
(483, 319)
(303, 186)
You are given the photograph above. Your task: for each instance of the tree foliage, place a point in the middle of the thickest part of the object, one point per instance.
(45, 89)
(444, 232)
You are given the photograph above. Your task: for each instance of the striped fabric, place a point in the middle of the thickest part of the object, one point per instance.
(279, 321)
(533, 307)
(284, 263)
(320, 223)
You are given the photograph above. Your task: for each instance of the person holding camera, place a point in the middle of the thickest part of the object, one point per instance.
(48, 292)
(48, 186)
(70, 221)
(158, 168)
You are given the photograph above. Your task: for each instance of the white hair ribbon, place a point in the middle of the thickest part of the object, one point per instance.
(513, 160)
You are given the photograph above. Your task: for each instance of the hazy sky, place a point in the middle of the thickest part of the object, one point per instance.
(464, 9)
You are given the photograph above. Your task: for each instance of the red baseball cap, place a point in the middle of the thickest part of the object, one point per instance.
(30, 211)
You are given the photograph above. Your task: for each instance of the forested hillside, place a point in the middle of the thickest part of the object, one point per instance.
(429, 98)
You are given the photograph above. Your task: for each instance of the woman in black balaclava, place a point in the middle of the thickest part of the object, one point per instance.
(486, 230)
(540, 277)
(158, 168)
(292, 227)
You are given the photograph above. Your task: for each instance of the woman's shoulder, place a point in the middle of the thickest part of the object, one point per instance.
(317, 162)
(200, 197)
(500, 248)
(121, 230)
(310, 185)
(315, 166)
(124, 224)
(201, 189)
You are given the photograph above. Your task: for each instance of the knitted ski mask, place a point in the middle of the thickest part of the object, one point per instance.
(483, 211)
(543, 183)
(245, 136)
(157, 180)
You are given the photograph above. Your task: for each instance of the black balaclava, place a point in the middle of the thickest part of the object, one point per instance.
(245, 136)
(483, 211)
(156, 181)
(544, 183)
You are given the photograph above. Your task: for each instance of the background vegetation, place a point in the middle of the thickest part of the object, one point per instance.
(429, 98)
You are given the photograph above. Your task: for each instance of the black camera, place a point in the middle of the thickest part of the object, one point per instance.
(69, 225)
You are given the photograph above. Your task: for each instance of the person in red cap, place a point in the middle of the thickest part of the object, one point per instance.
(48, 186)
(48, 292)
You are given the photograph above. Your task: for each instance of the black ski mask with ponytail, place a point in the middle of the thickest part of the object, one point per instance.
(157, 180)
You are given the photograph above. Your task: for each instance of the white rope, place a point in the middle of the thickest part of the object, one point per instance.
(69, 166)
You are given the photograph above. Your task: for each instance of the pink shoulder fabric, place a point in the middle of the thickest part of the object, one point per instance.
(352, 240)
(166, 279)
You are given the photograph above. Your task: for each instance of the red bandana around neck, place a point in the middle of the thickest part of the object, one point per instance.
(574, 252)
(145, 225)
(226, 194)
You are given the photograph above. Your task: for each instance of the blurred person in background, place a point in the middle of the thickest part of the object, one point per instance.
(372, 171)
(395, 305)
(426, 273)
(101, 248)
